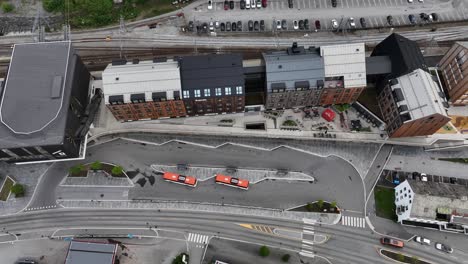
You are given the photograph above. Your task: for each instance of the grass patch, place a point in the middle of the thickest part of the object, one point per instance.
(458, 160)
(385, 202)
(289, 123)
(399, 257)
(5, 192)
(82, 170)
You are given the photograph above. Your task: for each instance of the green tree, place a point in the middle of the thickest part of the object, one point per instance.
(309, 207)
(400, 257)
(53, 5)
(414, 260)
(17, 190)
(264, 251)
(179, 258)
(7, 7)
(285, 258)
(76, 170)
(320, 203)
(117, 170)
(96, 165)
(333, 204)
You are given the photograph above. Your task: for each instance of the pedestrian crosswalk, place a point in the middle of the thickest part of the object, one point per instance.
(308, 238)
(199, 239)
(353, 221)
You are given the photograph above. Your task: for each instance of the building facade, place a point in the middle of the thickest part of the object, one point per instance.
(44, 103)
(345, 73)
(294, 78)
(412, 105)
(454, 68)
(143, 90)
(212, 84)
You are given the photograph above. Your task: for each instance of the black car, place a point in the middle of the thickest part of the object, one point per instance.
(190, 26)
(306, 24)
(228, 26)
(435, 17)
(363, 22)
(205, 27)
(301, 24)
(242, 4)
(251, 25)
(256, 26)
(334, 3)
(284, 24)
(262, 25)
(290, 3)
(317, 24)
(424, 16)
(390, 20)
(226, 5)
(231, 4)
(223, 27)
(234, 26)
(239, 25)
(412, 19)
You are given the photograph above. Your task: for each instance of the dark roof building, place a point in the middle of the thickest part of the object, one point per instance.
(404, 54)
(43, 98)
(81, 252)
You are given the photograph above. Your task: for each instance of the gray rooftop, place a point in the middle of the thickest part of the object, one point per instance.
(453, 191)
(282, 67)
(90, 253)
(378, 65)
(35, 98)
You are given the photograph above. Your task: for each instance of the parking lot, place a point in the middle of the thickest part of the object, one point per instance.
(392, 175)
(375, 13)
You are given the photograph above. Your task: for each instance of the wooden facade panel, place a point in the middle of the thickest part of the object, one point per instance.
(148, 110)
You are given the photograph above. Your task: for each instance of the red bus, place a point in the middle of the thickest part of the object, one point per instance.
(231, 181)
(180, 179)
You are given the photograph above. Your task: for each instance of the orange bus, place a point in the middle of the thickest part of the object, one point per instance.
(180, 179)
(231, 181)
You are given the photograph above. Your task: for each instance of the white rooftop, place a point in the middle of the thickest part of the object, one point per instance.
(421, 94)
(145, 77)
(347, 60)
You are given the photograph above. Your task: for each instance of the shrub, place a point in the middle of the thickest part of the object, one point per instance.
(415, 260)
(285, 258)
(400, 257)
(117, 170)
(96, 165)
(17, 190)
(320, 203)
(264, 251)
(178, 259)
(7, 7)
(75, 170)
(333, 204)
(309, 207)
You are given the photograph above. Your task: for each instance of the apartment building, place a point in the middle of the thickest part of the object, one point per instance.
(212, 84)
(454, 68)
(44, 109)
(413, 105)
(345, 73)
(141, 90)
(294, 77)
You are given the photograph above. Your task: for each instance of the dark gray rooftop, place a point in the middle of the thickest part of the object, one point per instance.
(35, 98)
(90, 253)
(378, 65)
(282, 67)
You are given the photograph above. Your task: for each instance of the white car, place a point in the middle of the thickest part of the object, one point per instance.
(352, 24)
(252, 4)
(211, 26)
(259, 3)
(424, 177)
(334, 24)
(444, 248)
(217, 24)
(295, 25)
(247, 4)
(210, 4)
(422, 240)
(410, 1)
(278, 24)
(421, 1)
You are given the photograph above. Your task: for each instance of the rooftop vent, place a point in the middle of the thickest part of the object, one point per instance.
(160, 59)
(56, 89)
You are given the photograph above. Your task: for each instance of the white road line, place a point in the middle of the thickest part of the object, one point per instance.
(308, 232)
(308, 242)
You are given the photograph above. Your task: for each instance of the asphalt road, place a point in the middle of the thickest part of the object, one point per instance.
(344, 246)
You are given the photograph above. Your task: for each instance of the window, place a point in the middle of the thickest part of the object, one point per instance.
(239, 90)
(197, 93)
(227, 91)
(218, 92)
(207, 93)
(186, 94)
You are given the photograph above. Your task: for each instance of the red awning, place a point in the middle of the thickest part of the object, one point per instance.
(328, 115)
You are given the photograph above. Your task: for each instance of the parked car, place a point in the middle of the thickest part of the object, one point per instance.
(421, 1)
(351, 22)
(247, 4)
(410, 1)
(210, 4)
(228, 26)
(396, 178)
(223, 27)
(317, 25)
(412, 19)
(264, 3)
(259, 3)
(217, 24)
(190, 26)
(422, 240)
(290, 4)
(284, 24)
(242, 4)
(424, 177)
(262, 25)
(234, 26)
(334, 24)
(256, 26)
(390, 20)
(306, 24)
(226, 5)
(231, 4)
(278, 24)
(295, 25)
(424, 16)
(211, 26)
(301, 24)
(334, 3)
(239, 25)
(363, 22)
(251, 25)
(444, 248)
(435, 17)
(391, 242)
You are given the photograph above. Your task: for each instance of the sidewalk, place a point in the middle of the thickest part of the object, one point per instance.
(427, 165)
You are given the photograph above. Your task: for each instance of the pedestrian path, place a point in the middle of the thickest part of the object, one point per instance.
(353, 221)
(41, 208)
(307, 249)
(199, 239)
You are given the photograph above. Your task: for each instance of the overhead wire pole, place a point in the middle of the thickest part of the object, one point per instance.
(122, 31)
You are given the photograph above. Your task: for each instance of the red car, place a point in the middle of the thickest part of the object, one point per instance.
(264, 3)
(226, 5)
(231, 181)
(392, 242)
(180, 179)
(317, 24)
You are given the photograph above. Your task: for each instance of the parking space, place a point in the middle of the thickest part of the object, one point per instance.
(396, 176)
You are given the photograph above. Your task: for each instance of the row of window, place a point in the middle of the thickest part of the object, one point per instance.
(207, 92)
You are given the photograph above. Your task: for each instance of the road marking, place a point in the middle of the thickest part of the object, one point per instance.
(353, 221)
(41, 208)
(198, 238)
